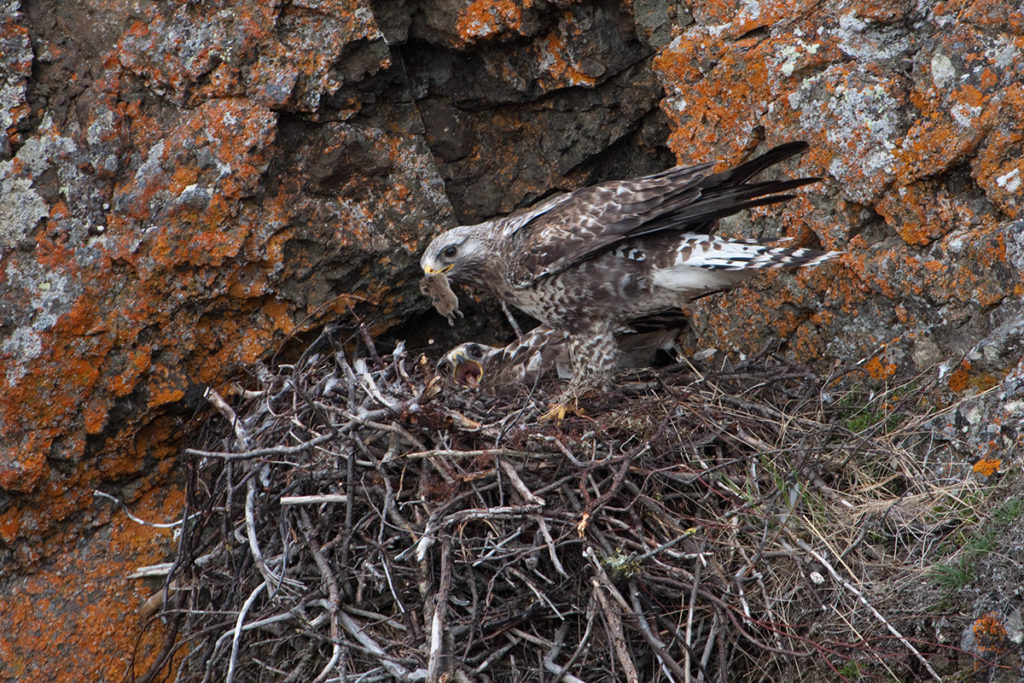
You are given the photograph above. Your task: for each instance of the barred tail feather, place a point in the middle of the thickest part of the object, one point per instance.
(750, 257)
(703, 262)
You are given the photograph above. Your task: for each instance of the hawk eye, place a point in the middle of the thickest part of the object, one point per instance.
(449, 252)
(475, 352)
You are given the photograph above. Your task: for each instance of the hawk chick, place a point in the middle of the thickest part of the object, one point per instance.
(543, 350)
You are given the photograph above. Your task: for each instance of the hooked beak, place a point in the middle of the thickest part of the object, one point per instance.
(467, 372)
(430, 270)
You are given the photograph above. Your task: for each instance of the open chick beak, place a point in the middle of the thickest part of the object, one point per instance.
(466, 371)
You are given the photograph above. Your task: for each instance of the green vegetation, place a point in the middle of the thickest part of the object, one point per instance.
(967, 547)
(863, 409)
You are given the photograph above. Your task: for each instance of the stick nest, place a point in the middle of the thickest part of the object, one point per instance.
(349, 518)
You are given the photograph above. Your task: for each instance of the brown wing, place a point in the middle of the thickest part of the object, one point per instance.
(586, 222)
(592, 218)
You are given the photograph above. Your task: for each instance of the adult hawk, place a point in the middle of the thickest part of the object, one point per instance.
(543, 351)
(590, 260)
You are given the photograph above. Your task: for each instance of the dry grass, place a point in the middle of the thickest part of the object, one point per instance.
(356, 521)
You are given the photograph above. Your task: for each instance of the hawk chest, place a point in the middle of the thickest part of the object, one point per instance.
(611, 286)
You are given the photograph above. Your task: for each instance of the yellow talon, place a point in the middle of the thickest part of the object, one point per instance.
(560, 409)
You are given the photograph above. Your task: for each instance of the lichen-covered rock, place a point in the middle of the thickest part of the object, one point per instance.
(16, 59)
(184, 185)
(916, 133)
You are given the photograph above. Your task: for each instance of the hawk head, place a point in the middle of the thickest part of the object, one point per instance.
(459, 252)
(464, 364)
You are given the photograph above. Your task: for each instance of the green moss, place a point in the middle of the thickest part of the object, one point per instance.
(850, 671)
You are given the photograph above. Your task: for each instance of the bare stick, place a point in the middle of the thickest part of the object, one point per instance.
(358, 631)
(550, 543)
(556, 647)
(224, 409)
(709, 646)
(511, 320)
(137, 520)
(440, 609)
(659, 647)
(371, 387)
(333, 594)
(536, 591)
(474, 454)
(603, 584)
(238, 629)
(314, 500)
(688, 642)
(618, 637)
(518, 485)
(665, 546)
(262, 452)
(489, 513)
(250, 532)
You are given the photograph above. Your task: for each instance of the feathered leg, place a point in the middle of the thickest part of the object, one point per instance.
(593, 354)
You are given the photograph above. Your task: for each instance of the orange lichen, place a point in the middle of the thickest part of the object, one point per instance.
(989, 634)
(95, 416)
(25, 473)
(87, 599)
(987, 466)
(878, 368)
(559, 71)
(162, 395)
(922, 212)
(730, 104)
(998, 170)
(960, 377)
(484, 19)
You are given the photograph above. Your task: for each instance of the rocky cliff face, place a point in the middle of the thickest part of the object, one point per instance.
(184, 184)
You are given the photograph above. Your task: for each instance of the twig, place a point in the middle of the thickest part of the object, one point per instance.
(237, 637)
(709, 645)
(659, 647)
(493, 452)
(690, 608)
(536, 591)
(250, 532)
(358, 631)
(241, 438)
(550, 543)
(262, 452)
(333, 594)
(601, 584)
(618, 638)
(668, 544)
(518, 485)
(556, 647)
(137, 520)
(511, 320)
(371, 387)
(314, 500)
(440, 609)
